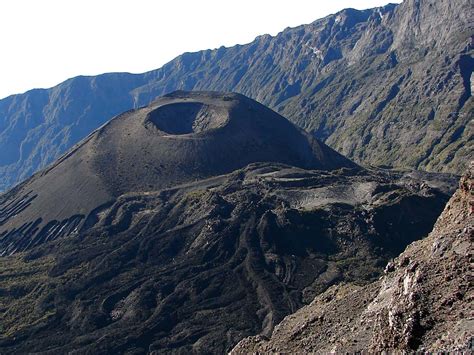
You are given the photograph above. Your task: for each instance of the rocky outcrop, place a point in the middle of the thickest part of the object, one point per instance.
(386, 86)
(422, 303)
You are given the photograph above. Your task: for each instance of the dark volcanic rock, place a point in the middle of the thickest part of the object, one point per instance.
(386, 86)
(199, 267)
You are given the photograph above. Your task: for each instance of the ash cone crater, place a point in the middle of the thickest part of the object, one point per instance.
(187, 118)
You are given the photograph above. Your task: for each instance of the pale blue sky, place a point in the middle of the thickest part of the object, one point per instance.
(45, 42)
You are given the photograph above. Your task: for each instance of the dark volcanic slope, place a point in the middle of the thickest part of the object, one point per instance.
(179, 138)
(390, 86)
(423, 303)
(195, 269)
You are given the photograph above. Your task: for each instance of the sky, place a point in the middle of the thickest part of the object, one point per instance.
(46, 42)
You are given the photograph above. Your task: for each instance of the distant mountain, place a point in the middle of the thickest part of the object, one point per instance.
(419, 305)
(40, 125)
(186, 225)
(387, 86)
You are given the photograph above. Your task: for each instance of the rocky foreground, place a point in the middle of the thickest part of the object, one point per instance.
(423, 302)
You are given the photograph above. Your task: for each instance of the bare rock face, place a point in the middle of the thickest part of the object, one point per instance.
(422, 303)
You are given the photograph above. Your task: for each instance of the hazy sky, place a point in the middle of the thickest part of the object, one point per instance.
(44, 42)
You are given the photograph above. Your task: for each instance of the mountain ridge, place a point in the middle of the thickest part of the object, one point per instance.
(416, 57)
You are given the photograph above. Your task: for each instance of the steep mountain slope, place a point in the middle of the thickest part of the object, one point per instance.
(385, 86)
(423, 303)
(390, 86)
(190, 224)
(39, 126)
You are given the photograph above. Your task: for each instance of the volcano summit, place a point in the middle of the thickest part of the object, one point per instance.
(179, 138)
